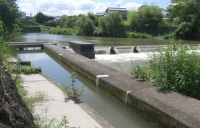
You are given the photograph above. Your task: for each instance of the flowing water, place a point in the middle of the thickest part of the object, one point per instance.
(115, 113)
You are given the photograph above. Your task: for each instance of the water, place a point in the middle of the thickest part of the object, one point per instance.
(114, 112)
(63, 40)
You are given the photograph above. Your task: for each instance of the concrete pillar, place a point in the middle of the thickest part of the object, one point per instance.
(83, 48)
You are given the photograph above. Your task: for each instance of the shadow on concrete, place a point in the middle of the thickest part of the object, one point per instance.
(164, 91)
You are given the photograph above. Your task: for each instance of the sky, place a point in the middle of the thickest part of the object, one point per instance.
(75, 7)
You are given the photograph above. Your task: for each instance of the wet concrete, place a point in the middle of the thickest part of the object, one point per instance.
(164, 109)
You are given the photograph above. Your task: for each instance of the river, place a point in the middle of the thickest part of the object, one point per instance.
(114, 112)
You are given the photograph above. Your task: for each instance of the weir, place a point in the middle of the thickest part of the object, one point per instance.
(161, 108)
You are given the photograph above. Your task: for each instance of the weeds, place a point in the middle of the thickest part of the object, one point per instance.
(173, 70)
(30, 70)
(71, 91)
(140, 72)
(44, 122)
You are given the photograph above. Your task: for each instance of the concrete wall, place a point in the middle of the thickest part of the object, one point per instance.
(164, 109)
(83, 48)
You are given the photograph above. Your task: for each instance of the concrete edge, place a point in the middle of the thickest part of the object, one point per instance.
(143, 104)
(84, 106)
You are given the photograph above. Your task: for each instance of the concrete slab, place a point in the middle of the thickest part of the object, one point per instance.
(57, 105)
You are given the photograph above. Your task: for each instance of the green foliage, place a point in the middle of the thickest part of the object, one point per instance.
(30, 70)
(63, 31)
(111, 25)
(133, 17)
(71, 91)
(187, 15)
(140, 72)
(5, 50)
(167, 23)
(8, 13)
(41, 18)
(178, 71)
(137, 35)
(67, 21)
(93, 18)
(187, 11)
(150, 16)
(85, 26)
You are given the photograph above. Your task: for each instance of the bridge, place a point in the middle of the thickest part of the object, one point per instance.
(26, 45)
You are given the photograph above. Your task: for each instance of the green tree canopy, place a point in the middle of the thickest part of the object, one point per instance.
(85, 26)
(41, 18)
(185, 11)
(93, 18)
(147, 16)
(187, 15)
(112, 25)
(67, 21)
(8, 14)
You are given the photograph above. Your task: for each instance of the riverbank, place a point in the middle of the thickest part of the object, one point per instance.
(78, 115)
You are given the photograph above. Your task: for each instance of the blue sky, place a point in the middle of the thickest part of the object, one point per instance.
(75, 7)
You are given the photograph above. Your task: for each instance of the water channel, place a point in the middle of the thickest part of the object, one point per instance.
(114, 112)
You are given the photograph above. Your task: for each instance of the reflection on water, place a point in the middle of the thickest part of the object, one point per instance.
(115, 113)
(63, 40)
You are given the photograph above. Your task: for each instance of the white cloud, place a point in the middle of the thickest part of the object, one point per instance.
(119, 2)
(132, 6)
(72, 7)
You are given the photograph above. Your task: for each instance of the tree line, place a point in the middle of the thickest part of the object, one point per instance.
(185, 15)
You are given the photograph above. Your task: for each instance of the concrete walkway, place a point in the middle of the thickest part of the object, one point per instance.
(57, 105)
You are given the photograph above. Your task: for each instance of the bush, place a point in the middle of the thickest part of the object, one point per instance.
(137, 35)
(140, 72)
(178, 71)
(172, 70)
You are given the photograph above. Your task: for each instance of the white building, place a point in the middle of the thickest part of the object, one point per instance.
(22, 16)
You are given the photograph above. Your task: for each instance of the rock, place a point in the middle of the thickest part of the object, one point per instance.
(13, 110)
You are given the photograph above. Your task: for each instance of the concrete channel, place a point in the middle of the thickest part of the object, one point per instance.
(164, 109)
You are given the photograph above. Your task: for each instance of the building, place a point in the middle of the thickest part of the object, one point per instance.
(99, 14)
(22, 16)
(123, 12)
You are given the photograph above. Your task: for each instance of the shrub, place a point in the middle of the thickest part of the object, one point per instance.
(140, 72)
(178, 71)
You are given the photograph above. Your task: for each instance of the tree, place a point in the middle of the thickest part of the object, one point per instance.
(67, 21)
(133, 17)
(93, 18)
(85, 26)
(41, 18)
(187, 15)
(148, 16)
(112, 25)
(8, 14)
(185, 11)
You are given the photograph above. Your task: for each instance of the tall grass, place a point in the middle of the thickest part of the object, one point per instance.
(137, 35)
(63, 31)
